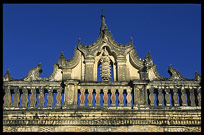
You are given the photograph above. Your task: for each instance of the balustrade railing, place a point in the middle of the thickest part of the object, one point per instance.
(101, 96)
(115, 96)
(22, 94)
(174, 96)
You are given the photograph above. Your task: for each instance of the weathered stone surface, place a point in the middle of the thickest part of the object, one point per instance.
(159, 104)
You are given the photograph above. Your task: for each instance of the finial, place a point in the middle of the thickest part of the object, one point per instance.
(79, 40)
(131, 39)
(102, 12)
(104, 27)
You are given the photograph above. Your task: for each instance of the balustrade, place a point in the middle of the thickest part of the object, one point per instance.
(160, 97)
(151, 96)
(199, 96)
(105, 97)
(82, 97)
(24, 98)
(175, 96)
(16, 98)
(180, 96)
(157, 95)
(21, 96)
(183, 96)
(33, 97)
(129, 98)
(192, 97)
(41, 98)
(7, 97)
(120, 97)
(50, 97)
(113, 97)
(59, 97)
(97, 97)
(90, 97)
(108, 94)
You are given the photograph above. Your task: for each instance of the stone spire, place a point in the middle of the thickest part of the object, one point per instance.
(104, 27)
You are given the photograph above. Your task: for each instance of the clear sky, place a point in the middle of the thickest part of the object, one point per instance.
(34, 33)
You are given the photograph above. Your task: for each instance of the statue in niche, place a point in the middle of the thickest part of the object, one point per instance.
(105, 66)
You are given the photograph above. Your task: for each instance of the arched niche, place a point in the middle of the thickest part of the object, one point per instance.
(113, 62)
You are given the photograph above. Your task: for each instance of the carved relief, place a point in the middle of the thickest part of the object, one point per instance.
(105, 66)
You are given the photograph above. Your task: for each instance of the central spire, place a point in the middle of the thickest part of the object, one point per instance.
(104, 27)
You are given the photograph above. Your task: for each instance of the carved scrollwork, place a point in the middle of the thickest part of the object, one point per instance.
(34, 73)
(148, 60)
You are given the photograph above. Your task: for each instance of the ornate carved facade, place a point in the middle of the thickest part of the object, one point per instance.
(137, 100)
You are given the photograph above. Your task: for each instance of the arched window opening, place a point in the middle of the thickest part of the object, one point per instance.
(99, 72)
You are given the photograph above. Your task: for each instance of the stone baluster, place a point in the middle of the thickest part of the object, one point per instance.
(113, 97)
(16, 97)
(160, 97)
(7, 97)
(41, 97)
(97, 97)
(90, 97)
(199, 96)
(82, 97)
(120, 97)
(105, 97)
(183, 96)
(33, 97)
(192, 97)
(59, 97)
(151, 96)
(50, 97)
(175, 96)
(24, 98)
(128, 97)
(167, 96)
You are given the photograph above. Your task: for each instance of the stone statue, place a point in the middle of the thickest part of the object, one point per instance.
(105, 66)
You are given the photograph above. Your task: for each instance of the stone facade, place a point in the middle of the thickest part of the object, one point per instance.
(137, 100)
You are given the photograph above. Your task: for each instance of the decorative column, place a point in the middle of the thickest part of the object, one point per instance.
(167, 96)
(175, 96)
(121, 68)
(50, 97)
(160, 97)
(7, 97)
(105, 97)
(41, 97)
(140, 94)
(16, 97)
(66, 74)
(82, 97)
(199, 96)
(70, 93)
(97, 97)
(90, 97)
(192, 96)
(128, 97)
(59, 97)
(151, 96)
(89, 69)
(120, 97)
(183, 96)
(113, 97)
(33, 97)
(24, 98)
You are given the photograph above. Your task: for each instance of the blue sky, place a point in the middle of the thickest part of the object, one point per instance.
(34, 33)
